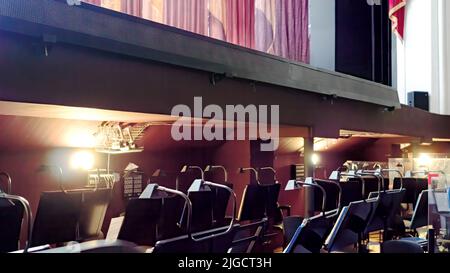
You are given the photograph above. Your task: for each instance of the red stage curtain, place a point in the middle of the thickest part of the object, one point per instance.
(132, 7)
(397, 16)
(240, 22)
(153, 10)
(217, 19)
(292, 30)
(265, 25)
(278, 27)
(191, 15)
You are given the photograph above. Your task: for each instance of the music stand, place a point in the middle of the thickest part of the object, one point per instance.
(259, 201)
(93, 211)
(57, 218)
(140, 222)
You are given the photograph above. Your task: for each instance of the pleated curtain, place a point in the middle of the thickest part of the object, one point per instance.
(279, 27)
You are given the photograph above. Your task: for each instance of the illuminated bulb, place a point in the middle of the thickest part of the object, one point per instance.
(424, 160)
(80, 139)
(315, 159)
(82, 161)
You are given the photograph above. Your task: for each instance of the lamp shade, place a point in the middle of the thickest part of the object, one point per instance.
(198, 185)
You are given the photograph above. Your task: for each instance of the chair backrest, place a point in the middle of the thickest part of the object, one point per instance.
(396, 205)
(370, 185)
(168, 226)
(351, 223)
(290, 226)
(310, 235)
(413, 187)
(389, 205)
(11, 215)
(220, 204)
(351, 192)
(420, 215)
(332, 192)
(184, 244)
(401, 247)
(202, 210)
(57, 218)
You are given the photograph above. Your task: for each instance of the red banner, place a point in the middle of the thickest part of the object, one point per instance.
(397, 16)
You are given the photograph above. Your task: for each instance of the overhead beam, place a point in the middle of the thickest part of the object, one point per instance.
(90, 26)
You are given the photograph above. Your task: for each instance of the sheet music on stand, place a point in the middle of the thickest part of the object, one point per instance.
(442, 203)
(114, 228)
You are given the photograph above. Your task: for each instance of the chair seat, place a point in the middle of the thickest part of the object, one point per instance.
(417, 240)
(402, 247)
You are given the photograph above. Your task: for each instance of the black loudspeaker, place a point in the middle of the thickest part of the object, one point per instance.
(419, 100)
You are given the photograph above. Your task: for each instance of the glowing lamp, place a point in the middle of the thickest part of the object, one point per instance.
(82, 161)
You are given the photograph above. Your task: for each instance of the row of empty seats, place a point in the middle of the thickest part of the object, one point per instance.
(166, 220)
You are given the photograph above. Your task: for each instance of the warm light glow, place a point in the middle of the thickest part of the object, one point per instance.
(82, 161)
(424, 160)
(426, 144)
(81, 139)
(323, 144)
(315, 159)
(441, 140)
(405, 145)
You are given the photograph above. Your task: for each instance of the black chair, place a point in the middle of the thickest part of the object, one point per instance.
(310, 234)
(260, 202)
(332, 204)
(401, 247)
(420, 215)
(11, 215)
(12, 210)
(202, 210)
(221, 196)
(333, 192)
(220, 201)
(370, 185)
(350, 226)
(169, 226)
(419, 219)
(389, 205)
(351, 192)
(413, 187)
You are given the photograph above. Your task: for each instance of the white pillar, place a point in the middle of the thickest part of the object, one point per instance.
(423, 58)
(444, 56)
